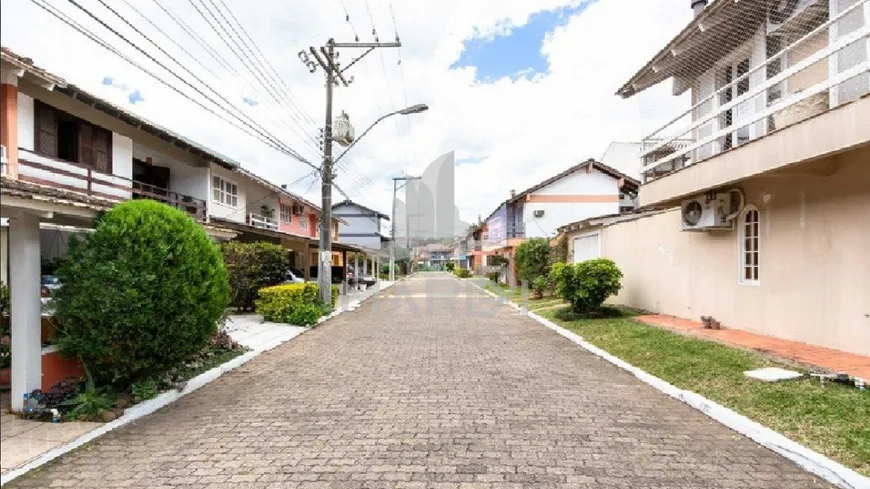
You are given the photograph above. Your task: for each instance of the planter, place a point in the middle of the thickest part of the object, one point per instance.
(56, 368)
(801, 111)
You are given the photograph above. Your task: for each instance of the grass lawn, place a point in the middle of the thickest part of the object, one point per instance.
(834, 420)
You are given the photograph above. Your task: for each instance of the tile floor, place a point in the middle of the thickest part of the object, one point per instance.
(22, 440)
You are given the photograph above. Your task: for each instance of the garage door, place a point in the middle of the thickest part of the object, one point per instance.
(586, 248)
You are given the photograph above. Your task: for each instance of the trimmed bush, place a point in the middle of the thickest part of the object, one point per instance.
(588, 284)
(493, 276)
(252, 266)
(533, 259)
(140, 294)
(293, 303)
(539, 285)
(462, 272)
(450, 266)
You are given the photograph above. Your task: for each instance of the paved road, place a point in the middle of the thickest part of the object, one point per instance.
(417, 392)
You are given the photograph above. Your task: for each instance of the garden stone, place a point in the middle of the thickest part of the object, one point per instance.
(118, 412)
(124, 401)
(108, 416)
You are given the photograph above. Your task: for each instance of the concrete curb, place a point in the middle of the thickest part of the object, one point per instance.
(143, 409)
(809, 460)
(166, 398)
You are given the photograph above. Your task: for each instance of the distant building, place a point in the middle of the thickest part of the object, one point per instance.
(363, 226)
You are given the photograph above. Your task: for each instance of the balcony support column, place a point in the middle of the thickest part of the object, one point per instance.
(26, 306)
(9, 121)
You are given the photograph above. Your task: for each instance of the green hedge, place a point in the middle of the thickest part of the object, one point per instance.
(462, 272)
(140, 294)
(297, 304)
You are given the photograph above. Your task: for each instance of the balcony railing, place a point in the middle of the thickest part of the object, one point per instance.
(52, 172)
(748, 106)
(262, 222)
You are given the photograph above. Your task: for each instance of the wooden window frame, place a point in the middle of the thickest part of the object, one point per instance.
(749, 259)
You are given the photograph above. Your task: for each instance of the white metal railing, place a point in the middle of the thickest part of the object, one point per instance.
(262, 222)
(657, 143)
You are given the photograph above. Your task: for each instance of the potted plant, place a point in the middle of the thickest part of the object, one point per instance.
(5, 337)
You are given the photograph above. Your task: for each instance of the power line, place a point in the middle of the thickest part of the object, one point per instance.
(347, 19)
(96, 39)
(264, 58)
(267, 84)
(171, 39)
(258, 128)
(167, 54)
(231, 69)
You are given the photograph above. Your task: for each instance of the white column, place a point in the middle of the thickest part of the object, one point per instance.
(356, 268)
(377, 273)
(26, 307)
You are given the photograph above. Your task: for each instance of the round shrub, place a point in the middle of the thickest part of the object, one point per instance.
(140, 294)
(252, 266)
(533, 259)
(588, 284)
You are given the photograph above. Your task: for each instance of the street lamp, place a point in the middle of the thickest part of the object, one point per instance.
(414, 109)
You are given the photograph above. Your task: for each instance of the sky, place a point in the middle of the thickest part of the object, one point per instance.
(519, 89)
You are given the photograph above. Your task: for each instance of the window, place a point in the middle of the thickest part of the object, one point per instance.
(225, 191)
(66, 137)
(303, 222)
(749, 236)
(286, 214)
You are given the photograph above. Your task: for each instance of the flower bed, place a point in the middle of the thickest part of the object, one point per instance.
(74, 398)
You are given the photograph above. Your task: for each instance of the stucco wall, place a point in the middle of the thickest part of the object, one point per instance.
(584, 195)
(814, 265)
(218, 209)
(295, 225)
(25, 121)
(183, 177)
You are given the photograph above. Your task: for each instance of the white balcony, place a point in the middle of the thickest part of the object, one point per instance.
(262, 222)
(815, 62)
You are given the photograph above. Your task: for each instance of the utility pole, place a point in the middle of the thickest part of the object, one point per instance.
(396, 180)
(326, 58)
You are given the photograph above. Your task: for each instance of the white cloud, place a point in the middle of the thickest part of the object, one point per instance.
(524, 130)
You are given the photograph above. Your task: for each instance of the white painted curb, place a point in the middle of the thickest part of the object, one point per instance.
(143, 409)
(810, 460)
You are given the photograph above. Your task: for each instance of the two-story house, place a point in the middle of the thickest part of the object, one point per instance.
(766, 174)
(361, 225)
(68, 155)
(585, 190)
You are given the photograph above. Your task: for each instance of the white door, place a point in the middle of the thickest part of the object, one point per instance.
(586, 248)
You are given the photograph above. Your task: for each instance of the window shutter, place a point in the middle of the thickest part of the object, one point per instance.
(103, 150)
(46, 130)
(86, 144)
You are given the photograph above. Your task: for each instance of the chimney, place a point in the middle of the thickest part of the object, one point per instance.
(698, 6)
(513, 193)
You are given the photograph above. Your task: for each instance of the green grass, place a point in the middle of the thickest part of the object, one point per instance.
(834, 420)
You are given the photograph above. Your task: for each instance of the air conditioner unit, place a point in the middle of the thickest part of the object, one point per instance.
(707, 212)
(539, 213)
(785, 15)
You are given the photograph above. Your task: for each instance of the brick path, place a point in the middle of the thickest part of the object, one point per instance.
(826, 358)
(401, 395)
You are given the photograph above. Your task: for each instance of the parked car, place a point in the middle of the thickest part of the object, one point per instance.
(367, 280)
(294, 276)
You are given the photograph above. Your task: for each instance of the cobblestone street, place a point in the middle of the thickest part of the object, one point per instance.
(429, 385)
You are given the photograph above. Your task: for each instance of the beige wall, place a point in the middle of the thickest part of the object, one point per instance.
(814, 261)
